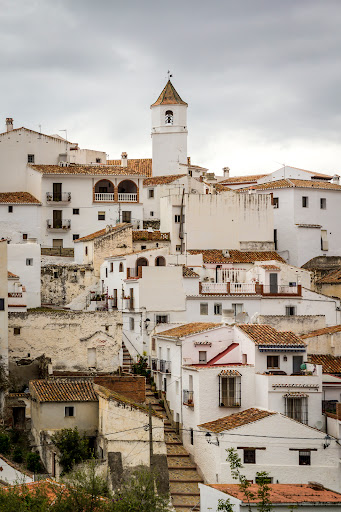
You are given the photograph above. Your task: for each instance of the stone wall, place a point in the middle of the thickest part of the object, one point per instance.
(114, 243)
(74, 341)
(62, 283)
(133, 387)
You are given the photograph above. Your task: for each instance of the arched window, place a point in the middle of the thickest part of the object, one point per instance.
(160, 261)
(141, 262)
(121, 268)
(169, 117)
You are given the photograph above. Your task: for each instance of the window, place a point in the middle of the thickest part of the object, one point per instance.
(29, 262)
(204, 308)
(10, 209)
(16, 331)
(305, 201)
(296, 408)
(276, 202)
(217, 308)
(275, 239)
(178, 248)
(290, 310)
(86, 250)
(126, 216)
(237, 308)
(161, 319)
(177, 219)
(111, 267)
(30, 159)
(75, 211)
(304, 458)
(263, 480)
(106, 271)
(143, 247)
(153, 344)
(75, 237)
(324, 240)
(121, 268)
(55, 274)
(192, 436)
(272, 361)
(169, 117)
(151, 193)
(202, 357)
(2, 304)
(249, 456)
(101, 215)
(323, 203)
(69, 411)
(98, 160)
(229, 391)
(131, 323)
(24, 236)
(151, 214)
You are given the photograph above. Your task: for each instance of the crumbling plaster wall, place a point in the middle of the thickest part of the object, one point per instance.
(68, 337)
(61, 283)
(299, 324)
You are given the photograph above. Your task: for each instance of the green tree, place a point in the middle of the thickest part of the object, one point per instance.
(19, 498)
(73, 448)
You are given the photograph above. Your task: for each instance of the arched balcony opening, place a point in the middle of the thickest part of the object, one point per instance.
(141, 262)
(160, 261)
(104, 191)
(127, 191)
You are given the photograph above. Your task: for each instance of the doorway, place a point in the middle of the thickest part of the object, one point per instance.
(296, 364)
(273, 283)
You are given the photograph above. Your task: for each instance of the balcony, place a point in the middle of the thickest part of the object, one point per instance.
(105, 197)
(127, 198)
(165, 366)
(63, 197)
(109, 197)
(58, 225)
(249, 289)
(281, 290)
(188, 398)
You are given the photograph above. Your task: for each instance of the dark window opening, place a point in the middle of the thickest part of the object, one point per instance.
(249, 456)
(272, 361)
(75, 211)
(10, 209)
(69, 411)
(16, 331)
(304, 458)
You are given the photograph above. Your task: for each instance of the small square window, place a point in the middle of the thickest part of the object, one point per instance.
(2, 304)
(161, 319)
(177, 219)
(151, 193)
(131, 323)
(272, 361)
(69, 411)
(107, 328)
(143, 247)
(151, 214)
(30, 159)
(29, 262)
(101, 215)
(98, 160)
(249, 456)
(290, 310)
(217, 308)
(275, 202)
(178, 248)
(323, 203)
(10, 209)
(126, 216)
(202, 356)
(304, 458)
(16, 331)
(75, 237)
(75, 211)
(24, 236)
(204, 308)
(263, 480)
(55, 274)
(305, 201)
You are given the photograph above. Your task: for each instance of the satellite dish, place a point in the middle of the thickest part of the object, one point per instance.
(318, 425)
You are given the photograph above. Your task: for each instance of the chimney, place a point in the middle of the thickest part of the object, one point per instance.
(124, 160)
(9, 124)
(226, 171)
(336, 179)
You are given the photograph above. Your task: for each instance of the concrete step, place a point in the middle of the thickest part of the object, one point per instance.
(186, 488)
(182, 475)
(175, 462)
(185, 501)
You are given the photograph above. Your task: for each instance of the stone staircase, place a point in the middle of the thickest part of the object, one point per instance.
(183, 474)
(127, 360)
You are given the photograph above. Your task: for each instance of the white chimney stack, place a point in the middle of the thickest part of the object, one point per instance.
(9, 124)
(336, 179)
(124, 160)
(226, 171)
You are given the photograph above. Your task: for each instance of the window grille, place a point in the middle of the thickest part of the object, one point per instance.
(296, 408)
(229, 391)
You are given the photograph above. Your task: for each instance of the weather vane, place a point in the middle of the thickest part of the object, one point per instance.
(169, 75)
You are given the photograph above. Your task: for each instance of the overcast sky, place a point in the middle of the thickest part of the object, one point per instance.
(262, 77)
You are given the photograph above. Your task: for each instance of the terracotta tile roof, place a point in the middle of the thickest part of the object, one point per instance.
(221, 188)
(169, 96)
(330, 364)
(64, 390)
(150, 235)
(235, 180)
(236, 420)
(333, 277)
(102, 232)
(189, 329)
(284, 493)
(320, 332)
(188, 272)
(89, 170)
(142, 166)
(216, 256)
(294, 183)
(268, 336)
(162, 180)
(48, 487)
(18, 198)
(230, 373)
(10, 275)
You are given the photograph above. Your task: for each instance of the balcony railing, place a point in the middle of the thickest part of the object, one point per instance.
(104, 196)
(242, 288)
(214, 288)
(248, 289)
(165, 366)
(127, 198)
(58, 224)
(281, 290)
(188, 398)
(63, 197)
